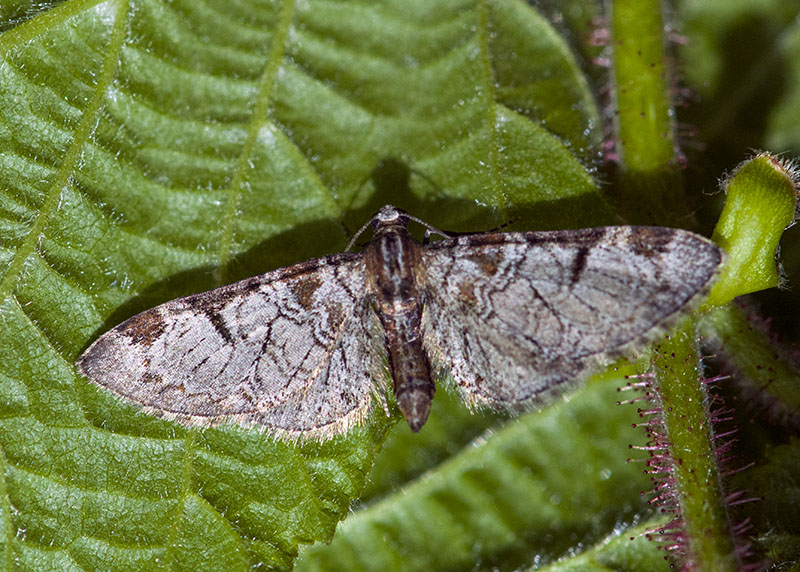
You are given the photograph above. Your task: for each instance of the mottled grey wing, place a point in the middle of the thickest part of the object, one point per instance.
(292, 350)
(513, 315)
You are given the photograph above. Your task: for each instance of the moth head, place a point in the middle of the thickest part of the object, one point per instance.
(390, 214)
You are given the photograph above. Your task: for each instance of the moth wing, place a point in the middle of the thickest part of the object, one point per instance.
(514, 315)
(292, 351)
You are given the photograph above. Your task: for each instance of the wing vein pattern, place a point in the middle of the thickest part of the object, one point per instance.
(514, 315)
(293, 350)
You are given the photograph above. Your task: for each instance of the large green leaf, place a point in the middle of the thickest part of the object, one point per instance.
(154, 149)
(540, 485)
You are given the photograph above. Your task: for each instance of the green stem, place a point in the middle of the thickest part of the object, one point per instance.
(689, 434)
(649, 178)
(760, 203)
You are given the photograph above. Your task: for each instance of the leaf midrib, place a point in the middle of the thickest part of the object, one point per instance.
(258, 119)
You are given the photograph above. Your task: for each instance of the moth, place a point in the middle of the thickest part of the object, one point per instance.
(302, 351)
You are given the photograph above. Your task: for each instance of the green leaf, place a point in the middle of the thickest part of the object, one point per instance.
(155, 149)
(534, 486)
(625, 549)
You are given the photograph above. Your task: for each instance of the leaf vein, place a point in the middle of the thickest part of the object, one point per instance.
(72, 157)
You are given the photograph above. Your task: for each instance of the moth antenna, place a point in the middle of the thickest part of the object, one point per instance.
(429, 229)
(358, 233)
